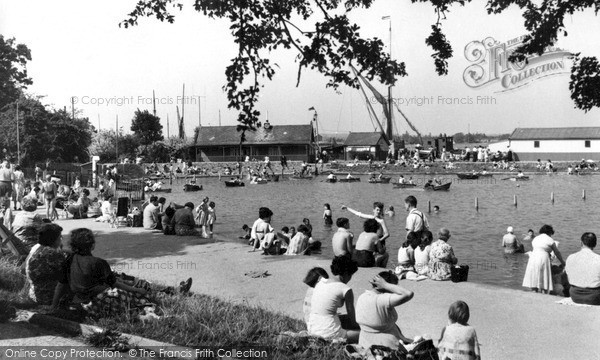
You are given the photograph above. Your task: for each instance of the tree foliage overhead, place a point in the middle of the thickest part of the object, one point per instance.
(13, 72)
(331, 44)
(325, 39)
(146, 127)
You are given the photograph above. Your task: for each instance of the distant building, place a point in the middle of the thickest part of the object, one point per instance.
(557, 144)
(222, 143)
(364, 144)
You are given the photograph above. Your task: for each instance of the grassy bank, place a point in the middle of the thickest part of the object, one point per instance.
(194, 320)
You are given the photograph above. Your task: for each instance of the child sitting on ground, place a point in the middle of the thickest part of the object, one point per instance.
(406, 258)
(459, 340)
(247, 230)
(299, 243)
(421, 255)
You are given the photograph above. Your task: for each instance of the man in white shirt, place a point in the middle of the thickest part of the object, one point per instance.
(583, 270)
(416, 220)
(151, 214)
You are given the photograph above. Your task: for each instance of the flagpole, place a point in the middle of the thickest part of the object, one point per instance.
(18, 137)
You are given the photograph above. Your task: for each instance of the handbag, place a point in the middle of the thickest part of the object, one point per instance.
(459, 273)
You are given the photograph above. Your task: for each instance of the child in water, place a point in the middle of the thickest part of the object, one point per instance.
(458, 339)
(327, 215)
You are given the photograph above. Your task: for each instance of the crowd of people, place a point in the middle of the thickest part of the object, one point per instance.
(55, 275)
(176, 219)
(577, 277)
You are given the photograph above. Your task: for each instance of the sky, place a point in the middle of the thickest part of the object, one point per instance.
(79, 51)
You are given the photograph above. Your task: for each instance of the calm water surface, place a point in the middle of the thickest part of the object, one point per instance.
(476, 235)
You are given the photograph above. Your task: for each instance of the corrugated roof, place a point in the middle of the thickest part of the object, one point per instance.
(277, 134)
(362, 139)
(559, 133)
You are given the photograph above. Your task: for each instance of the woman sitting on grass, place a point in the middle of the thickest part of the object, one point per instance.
(183, 221)
(96, 287)
(44, 264)
(313, 276)
(26, 224)
(329, 295)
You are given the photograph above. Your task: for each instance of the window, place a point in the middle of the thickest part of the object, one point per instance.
(536, 143)
(588, 143)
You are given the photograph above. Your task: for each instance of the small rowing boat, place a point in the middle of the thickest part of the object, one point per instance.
(192, 187)
(468, 176)
(445, 186)
(382, 180)
(234, 183)
(160, 190)
(346, 180)
(403, 186)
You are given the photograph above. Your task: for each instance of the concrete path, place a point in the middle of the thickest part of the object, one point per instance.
(510, 324)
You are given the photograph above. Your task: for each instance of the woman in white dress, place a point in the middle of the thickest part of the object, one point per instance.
(538, 275)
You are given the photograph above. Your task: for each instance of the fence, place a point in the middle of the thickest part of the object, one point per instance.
(133, 189)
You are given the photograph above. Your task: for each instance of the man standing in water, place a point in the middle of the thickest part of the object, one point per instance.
(416, 220)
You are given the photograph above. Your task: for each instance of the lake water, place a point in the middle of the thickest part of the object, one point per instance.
(476, 235)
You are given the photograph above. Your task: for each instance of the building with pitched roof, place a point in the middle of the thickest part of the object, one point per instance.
(557, 144)
(222, 143)
(364, 144)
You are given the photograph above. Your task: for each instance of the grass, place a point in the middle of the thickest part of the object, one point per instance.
(205, 321)
(189, 320)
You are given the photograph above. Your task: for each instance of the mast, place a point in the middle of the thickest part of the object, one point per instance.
(153, 103)
(117, 142)
(168, 136)
(389, 130)
(379, 98)
(181, 124)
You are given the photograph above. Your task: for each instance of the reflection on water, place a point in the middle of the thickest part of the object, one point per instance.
(476, 235)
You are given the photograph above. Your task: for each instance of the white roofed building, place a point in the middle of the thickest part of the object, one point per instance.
(556, 144)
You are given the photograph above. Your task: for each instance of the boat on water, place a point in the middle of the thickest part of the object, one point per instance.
(402, 186)
(331, 180)
(445, 186)
(258, 181)
(382, 180)
(234, 183)
(160, 190)
(192, 187)
(468, 176)
(345, 180)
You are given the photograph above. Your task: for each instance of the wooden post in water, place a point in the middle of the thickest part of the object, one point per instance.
(476, 203)
(583, 194)
(552, 197)
(515, 200)
(429, 206)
